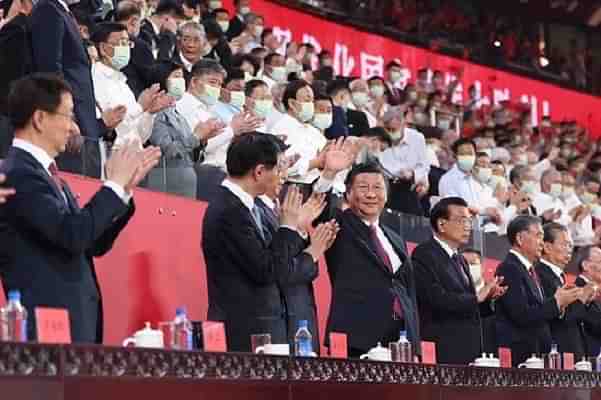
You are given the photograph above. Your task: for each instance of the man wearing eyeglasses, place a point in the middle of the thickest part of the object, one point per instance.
(136, 117)
(450, 307)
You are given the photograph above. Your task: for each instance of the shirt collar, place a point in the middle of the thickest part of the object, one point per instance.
(445, 246)
(237, 191)
(190, 98)
(556, 270)
(155, 27)
(109, 72)
(35, 151)
(522, 259)
(584, 278)
(268, 201)
(187, 64)
(65, 6)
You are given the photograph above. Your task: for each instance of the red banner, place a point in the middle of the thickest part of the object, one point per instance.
(358, 53)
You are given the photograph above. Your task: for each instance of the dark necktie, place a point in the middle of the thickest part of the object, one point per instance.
(459, 263)
(373, 233)
(53, 169)
(256, 213)
(534, 277)
(563, 279)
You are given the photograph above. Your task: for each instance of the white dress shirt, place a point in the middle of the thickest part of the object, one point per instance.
(545, 202)
(304, 140)
(195, 111)
(582, 232)
(245, 198)
(111, 90)
(556, 270)
(45, 160)
(394, 258)
(187, 64)
(525, 262)
(409, 154)
(272, 119)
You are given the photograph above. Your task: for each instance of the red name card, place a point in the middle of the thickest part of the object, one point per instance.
(505, 357)
(213, 336)
(338, 345)
(568, 361)
(428, 353)
(52, 325)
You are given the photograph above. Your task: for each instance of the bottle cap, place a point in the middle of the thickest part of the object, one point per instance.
(14, 295)
(403, 334)
(303, 323)
(180, 311)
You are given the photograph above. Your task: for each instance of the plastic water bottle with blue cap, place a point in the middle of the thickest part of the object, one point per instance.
(303, 340)
(16, 318)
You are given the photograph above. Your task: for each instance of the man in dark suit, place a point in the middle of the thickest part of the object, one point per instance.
(159, 30)
(341, 96)
(588, 260)
(58, 48)
(523, 313)
(48, 241)
(244, 267)
(373, 288)
(557, 253)
(450, 309)
(358, 124)
(237, 24)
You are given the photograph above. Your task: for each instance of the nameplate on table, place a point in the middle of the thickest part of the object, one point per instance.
(568, 361)
(52, 325)
(428, 353)
(505, 357)
(338, 345)
(213, 337)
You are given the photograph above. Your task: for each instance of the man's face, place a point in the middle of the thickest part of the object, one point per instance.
(191, 44)
(260, 92)
(133, 25)
(457, 228)
(531, 242)
(199, 83)
(472, 258)
(115, 39)
(56, 127)
(559, 251)
(323, 107)
(593, 265)
(276, 179)
(235, 85)
(367, 195)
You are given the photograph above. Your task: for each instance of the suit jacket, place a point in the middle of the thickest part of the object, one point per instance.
(523, 316)
(590, 325)
(16, 41)
(339, 126)
(164, 43)
(48, 244)
(448, 305)
(358, 124)
(244, 271)
(565, 330)
(362, 285)
(140, 70)
(236, 28)
(298, 295)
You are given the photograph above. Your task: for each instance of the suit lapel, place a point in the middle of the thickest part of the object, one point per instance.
(451, 268)
(244, 209)
(28, 158)
(529, 281)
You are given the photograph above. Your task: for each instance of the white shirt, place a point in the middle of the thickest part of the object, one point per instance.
(395, 261)
(451, 252)
(432, 157)
(582, 233)
(457, 183)
(304, 140)
(195, 111)
(187, 64)
(245, 198)
(409, 154)
(273, 118)
(545, 202)
(268, 201)
(268, 81)
(556, 270)
(45, 160)
(525, 262)
(111, 90)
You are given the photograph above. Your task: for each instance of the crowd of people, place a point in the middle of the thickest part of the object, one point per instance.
(296, 164)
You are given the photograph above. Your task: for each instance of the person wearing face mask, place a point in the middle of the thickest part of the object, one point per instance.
(216, 47)
(113, 44)
(359, 115)
(270, 41)
(255, 24)
(377, 94)
(460, 181)
(275, 70)
(277, 110)
(191, 10)
(394, 84)
(237, 24)
(406, 160)
(232, 97)
(196, 106)
(432, 148)
(302, 137)
(258, 101)
(159, 30)
(581, 227)
(548, 200)
(177, 140)
(341, 96)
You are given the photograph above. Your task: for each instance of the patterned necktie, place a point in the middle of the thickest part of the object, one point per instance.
(459, 262)
(256, 213)
(53, 169)
(381, 252)
(534, 277)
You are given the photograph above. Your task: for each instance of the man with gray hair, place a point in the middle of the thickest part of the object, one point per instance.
(588, 261)
(406, 160)
(255, 24)
(191, 42)
(196, 105)
(360, 103)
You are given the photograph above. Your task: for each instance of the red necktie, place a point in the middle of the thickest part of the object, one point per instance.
(534, 277)
(54, 175)
(373, 231)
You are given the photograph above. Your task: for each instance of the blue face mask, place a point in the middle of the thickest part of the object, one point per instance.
(120, 58)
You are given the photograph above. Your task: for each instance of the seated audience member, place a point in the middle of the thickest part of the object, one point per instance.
(49, 241)
(274, 71)
(258, 100)
(548, 202)
(159, 30)
(247, 260)
(191, 45)
(237, 24)
(523, 313)
(113, 44)
(361, 118)
(588, 261)
(406, 160)
(341, 96)
(369, 270)
(232, 97)
(450, 308)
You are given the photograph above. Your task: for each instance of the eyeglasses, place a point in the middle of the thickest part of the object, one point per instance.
(122, 42)
(70, 116)
(363, 189)
(465, 221)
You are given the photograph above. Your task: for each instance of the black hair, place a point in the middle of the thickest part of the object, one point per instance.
(336, 86)
(292, 90)
(250, 86)
(441, 210)
(103, 30)
(551, 230)
(362, 168)
(520, 224)
(461, 142)
(248, 151)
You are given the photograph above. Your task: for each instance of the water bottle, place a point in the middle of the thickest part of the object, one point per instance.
(182, 330)
(598, 362)
(405, 351)
(303, 341)
(554, 358)
(3, 325)
(16, 318)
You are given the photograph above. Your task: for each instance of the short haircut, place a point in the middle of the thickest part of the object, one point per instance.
(207, 67)
(233, 74)
(191, 25)
(551, 230)
(379, 133)
(266, 32)
(104, 30)
(375, 78)
(125, 10)
(520, 224)
(583, 254)
(218, 11)
(441, 210)
(393, 64)
(239, 59)
(292, 90)
(467, 250)
(461, 142)
(362, 168)
(336, 86)
(248, 151)
(516, 173)
(251, 18)
(40, 91)
(171, 7)
(322, 97)
(249, 88)
(270, 57)
(482, 154)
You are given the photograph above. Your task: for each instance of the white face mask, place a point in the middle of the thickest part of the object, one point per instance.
(522, 160)
(360, 98)
(476, 272)
(278, 74)
(377, 91)
(466, 163)
(322, 121)
(568, 191)
(497, 180)
(225, 25)
(237, 99)
(556, 190)
(215, 4)
(244, 10)
(307, 111)
(395, 76)
(529, 187)
(484, 174)
(396, 135)
(176, 87)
